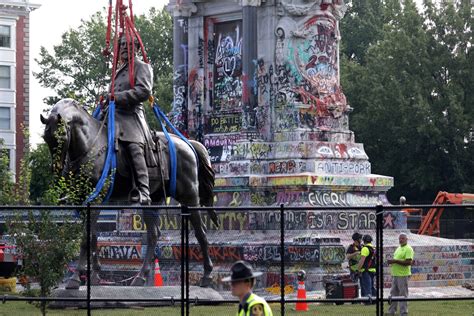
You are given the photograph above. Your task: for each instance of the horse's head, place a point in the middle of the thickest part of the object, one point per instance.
(57, 132)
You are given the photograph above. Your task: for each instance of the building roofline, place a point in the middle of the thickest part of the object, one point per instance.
(18, 4)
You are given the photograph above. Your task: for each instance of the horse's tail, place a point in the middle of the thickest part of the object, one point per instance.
(206, 180)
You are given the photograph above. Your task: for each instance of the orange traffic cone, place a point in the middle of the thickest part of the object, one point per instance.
(301, 296)
(158, 278)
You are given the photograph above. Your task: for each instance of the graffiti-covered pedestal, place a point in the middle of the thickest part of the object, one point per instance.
(263, 94)
(258, 83)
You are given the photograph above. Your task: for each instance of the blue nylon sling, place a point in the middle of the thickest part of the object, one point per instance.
(110, 165)
(172, 147)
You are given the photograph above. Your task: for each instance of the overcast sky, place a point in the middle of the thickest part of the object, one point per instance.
(47, 24)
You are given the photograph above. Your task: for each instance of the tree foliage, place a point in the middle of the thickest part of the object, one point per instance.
(48, 240)
(6, 178)
(40, 163)
(411, 91)
(76, 67)
(46, 247)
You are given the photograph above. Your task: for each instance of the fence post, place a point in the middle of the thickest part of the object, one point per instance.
(379, 246)
(282, 261)
(183, 252)
(186, 241)
(88, 245)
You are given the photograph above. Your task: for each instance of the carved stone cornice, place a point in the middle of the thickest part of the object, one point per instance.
(306, 7)
(250, 3)
(182, 9)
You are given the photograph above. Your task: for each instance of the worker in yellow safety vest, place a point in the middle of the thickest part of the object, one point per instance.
(242, 282)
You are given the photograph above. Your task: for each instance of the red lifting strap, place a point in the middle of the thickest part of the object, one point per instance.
(106, 51)
(124, 26)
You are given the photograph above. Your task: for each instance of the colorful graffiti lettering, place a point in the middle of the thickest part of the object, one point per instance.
(114, 251)
(225, 124)
(228, 66)
(332, 255)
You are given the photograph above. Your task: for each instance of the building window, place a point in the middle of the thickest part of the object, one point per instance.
(5, 36)
(5, 118)
(5, 77)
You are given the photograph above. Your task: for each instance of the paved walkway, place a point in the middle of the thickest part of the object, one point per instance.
(415, 292)
(447, 291)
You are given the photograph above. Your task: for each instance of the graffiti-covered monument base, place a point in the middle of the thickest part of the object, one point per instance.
(258, 83)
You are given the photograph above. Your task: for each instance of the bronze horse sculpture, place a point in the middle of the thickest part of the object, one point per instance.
(84, 140)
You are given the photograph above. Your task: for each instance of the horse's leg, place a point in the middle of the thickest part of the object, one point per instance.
(200, 233)
(153, 233)
(75, 281)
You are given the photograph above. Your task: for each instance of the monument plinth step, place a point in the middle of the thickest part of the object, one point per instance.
(301, 149)
(371, 182)
(314, 136)
(130, 293)
(333, 166)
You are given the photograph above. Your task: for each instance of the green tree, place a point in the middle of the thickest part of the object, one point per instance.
(48, 240)
(6, 178)
(76, 67)
(41, 173)
(361, 27)
(46, 247)
(413, 108)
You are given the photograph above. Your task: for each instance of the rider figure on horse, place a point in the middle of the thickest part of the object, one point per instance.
(132, 131)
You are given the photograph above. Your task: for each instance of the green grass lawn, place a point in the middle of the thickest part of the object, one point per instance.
(415, 308)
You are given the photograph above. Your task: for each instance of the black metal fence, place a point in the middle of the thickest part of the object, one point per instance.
(383, 224)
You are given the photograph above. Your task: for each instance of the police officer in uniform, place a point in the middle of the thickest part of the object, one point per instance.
(132, 130)
(242, 281)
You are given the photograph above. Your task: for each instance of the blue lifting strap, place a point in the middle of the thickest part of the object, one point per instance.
(96, 112)
(172, 148)
(110, 165)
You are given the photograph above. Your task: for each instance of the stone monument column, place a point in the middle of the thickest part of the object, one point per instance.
(264, 90)
(309, 96)
(181, 10)
(249, 57)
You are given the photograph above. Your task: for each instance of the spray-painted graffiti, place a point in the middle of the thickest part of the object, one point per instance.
(196, 96)
(253, 253)
(172, 221)
(332, 254)
(216, 253)
(220, 154)
(293, 149)
(271, 253)
(201, 52)
(119, 251)
(342, 220)
(228, 66)
(225, 124)
(220, 149)
(328, 198)
(220, 140)
(343, 167)
(179, 111)
(275, 289)
(300, 198)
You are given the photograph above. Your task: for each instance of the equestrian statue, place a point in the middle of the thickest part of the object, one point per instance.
(143, 162)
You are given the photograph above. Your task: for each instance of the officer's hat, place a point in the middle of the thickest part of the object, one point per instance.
(241, 270)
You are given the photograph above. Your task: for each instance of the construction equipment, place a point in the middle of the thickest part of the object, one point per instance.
(430, 221)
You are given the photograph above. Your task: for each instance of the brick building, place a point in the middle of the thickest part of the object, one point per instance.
(14, 77)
